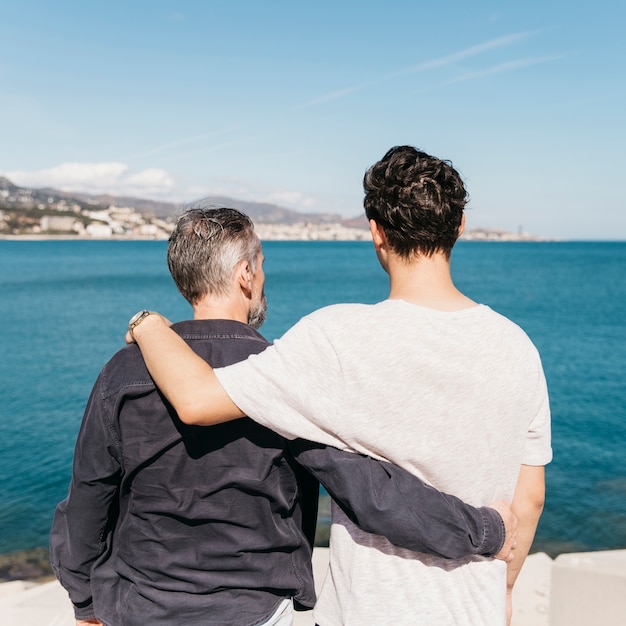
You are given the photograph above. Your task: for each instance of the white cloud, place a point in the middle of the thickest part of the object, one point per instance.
(256, 191)
(152, 181)
(196, 192)
(117, 179)
(252, 191)
(291, 199)
(94, 178)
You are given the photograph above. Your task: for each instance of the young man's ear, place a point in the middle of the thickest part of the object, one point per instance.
(381, 244)
(462, 226)
(378, 234)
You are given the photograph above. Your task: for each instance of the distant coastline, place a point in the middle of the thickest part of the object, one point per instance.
(38, 214)
(279, 232)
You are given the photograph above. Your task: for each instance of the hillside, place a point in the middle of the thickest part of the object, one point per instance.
(33, 211)
(12, 196)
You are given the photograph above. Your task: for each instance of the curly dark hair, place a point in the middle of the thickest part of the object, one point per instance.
(418, 200)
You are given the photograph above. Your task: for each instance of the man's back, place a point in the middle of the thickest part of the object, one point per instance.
(209, 527)
(457, 398)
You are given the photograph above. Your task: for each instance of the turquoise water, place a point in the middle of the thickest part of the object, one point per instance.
(64, 306)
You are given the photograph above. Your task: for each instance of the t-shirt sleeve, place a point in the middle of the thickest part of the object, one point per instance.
(538, 450)
(293, 387)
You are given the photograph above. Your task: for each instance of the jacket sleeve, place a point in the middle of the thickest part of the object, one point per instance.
(384, 499)
(309, 491)
(82, 521)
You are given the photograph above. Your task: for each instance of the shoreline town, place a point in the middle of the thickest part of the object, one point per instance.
(154, 229)
(27, 213)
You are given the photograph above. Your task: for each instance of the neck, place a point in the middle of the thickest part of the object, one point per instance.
(427, 282)
(211, 308)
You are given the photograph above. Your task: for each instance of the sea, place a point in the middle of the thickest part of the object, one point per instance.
(64, 307)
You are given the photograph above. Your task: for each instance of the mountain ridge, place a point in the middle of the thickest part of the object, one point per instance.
(23, 209)
(261, 212)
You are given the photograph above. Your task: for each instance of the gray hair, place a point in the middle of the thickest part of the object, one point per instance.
(205, 248)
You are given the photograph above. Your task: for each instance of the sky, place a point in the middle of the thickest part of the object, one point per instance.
(290, 102)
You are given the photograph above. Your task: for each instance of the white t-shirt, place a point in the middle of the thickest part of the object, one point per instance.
(457, 398)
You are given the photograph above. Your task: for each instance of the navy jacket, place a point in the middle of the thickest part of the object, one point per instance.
(167, 523)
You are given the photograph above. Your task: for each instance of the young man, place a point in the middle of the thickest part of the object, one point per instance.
(427, 379)
(173, 524)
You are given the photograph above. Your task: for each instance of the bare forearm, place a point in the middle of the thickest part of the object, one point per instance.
(527, 506)
(186, 380)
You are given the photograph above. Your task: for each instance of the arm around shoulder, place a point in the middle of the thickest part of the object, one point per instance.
(186, 380)
(384, 499)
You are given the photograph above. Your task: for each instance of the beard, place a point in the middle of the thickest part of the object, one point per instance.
(258, 312)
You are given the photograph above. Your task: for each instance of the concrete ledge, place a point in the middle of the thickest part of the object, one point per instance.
(574, 590)
(41, 605)
(13, 587)
(531, 594)
(589, 588)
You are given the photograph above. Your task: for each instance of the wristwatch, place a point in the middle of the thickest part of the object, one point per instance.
(136, 319)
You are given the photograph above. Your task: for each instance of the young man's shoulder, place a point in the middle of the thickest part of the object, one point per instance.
(343, 313)
(505, 325)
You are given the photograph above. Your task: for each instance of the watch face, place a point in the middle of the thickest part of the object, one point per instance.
(136, 317)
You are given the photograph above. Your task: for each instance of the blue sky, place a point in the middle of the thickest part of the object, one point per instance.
(289, 102)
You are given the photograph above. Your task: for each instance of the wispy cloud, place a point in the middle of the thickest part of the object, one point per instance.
(466, 53)
(502, 68)
(472, 51)
(185, 141)
(335, 95)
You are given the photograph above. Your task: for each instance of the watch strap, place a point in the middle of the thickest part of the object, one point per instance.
(136, 319)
